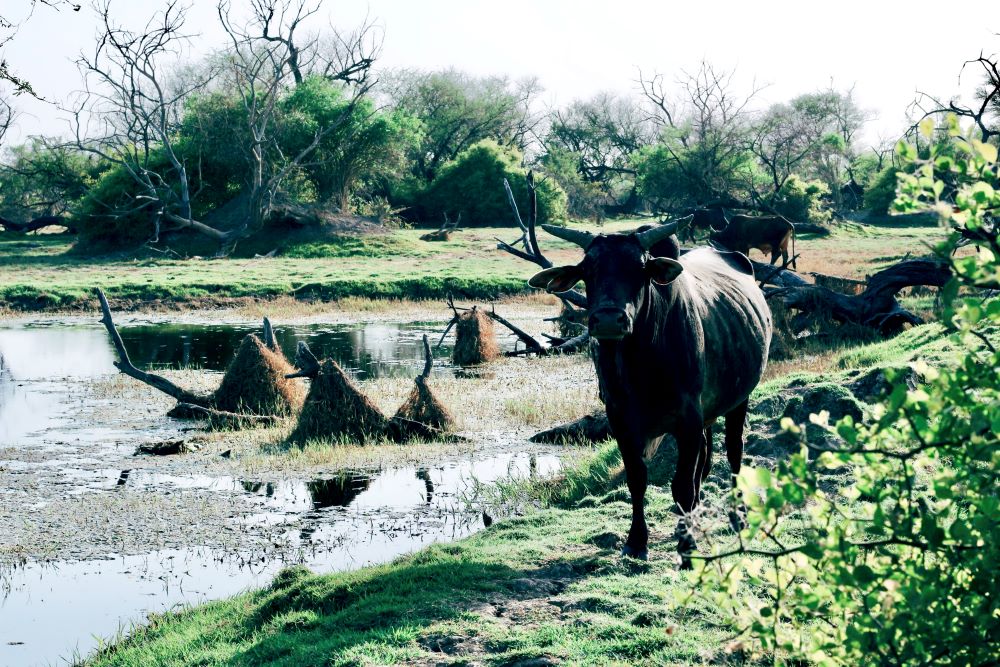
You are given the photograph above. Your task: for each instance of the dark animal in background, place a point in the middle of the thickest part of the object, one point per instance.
(767, 233)
(681, 341)
(707, 219)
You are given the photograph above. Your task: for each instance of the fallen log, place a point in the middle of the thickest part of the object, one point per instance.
(125, 365)
(40, 222)
(590, 428)
(876, 306)
(221, 418)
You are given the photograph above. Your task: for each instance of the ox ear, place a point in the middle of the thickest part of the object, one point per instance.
(557, 279)
(663, 270)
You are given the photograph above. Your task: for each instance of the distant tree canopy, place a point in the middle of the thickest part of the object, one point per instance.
(472, 186)
(458, 110)
(287, 113)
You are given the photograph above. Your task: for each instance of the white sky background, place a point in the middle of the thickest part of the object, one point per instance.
(887, 49)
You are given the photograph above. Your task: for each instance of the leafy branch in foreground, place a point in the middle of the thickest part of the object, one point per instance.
(882, 548)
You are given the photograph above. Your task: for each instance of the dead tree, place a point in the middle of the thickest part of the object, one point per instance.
(875, 306)
(529, 238)
(266, 60)
(128, 115)
(444, 232)
(125, 365)
(255, 383)
(34, 225)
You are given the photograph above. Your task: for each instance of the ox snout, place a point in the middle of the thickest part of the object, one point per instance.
(610, 324)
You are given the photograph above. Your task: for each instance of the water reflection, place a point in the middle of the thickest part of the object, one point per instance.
(329, 524)
(42, 351)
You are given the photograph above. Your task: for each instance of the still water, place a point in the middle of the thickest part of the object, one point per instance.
(49, 438)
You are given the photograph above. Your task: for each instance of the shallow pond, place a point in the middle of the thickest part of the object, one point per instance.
(59, 442)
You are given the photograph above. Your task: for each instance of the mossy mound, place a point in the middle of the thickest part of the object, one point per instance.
(336, 408)
(475, 339)
(421, 405)
(255, 382)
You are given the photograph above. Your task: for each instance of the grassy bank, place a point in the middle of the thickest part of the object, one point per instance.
(544, 587)
(40, 272)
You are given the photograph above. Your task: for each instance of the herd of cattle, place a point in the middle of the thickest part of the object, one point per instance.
(681, 340)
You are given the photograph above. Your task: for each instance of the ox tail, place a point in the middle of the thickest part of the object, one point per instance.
(795, 262)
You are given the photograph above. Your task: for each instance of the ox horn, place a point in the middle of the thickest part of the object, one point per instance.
(651, 237)
(576, 236)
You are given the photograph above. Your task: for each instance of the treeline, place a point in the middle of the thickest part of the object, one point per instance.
(286, 125)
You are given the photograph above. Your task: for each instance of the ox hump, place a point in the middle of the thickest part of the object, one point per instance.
(737, 260)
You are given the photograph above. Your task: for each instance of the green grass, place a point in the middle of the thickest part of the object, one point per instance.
(550, 584)
(546, 584)
(41, 272)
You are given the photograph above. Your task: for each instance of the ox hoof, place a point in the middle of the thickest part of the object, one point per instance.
(632, 552)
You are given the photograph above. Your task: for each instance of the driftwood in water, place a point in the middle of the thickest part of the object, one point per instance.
(591, 428)
(40, 222)
(125, 365)
(254, 390)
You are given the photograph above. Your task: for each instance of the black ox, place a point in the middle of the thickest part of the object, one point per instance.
(682, 341)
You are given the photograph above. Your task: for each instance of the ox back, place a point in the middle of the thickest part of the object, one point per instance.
(766, 233)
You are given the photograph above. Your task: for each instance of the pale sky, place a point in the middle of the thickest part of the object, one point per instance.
(887, 49)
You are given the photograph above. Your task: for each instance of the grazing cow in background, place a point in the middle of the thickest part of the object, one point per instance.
(767, 233)
(681, 341)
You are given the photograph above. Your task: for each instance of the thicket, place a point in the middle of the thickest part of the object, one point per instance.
(472, 186)
(881, 549)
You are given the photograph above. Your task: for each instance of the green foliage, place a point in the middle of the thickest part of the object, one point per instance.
(583, 197)
(472, 186)
(39, 179)
(456, 111)
(803, 201)
(671, 176)
(882, 192)
(117, 211)
(366, 146)
(899, 566)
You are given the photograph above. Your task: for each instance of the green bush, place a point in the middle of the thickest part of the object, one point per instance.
(880, 548)
(583, 198)
(472, 186)
(881, 193)
(113, 216)
(803, 201)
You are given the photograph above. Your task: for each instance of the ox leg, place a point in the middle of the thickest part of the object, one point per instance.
(687, 480)
(636, 474)
(776, 253)
(735, 421)
(706, 459)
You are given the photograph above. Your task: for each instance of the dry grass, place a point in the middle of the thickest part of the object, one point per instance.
(336, 408)
(255, 382)
(423, 406)
(475, 339)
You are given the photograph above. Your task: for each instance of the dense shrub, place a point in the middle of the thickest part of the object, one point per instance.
(472, 186)
(584, 198)
(881, 193)
(803, 201)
